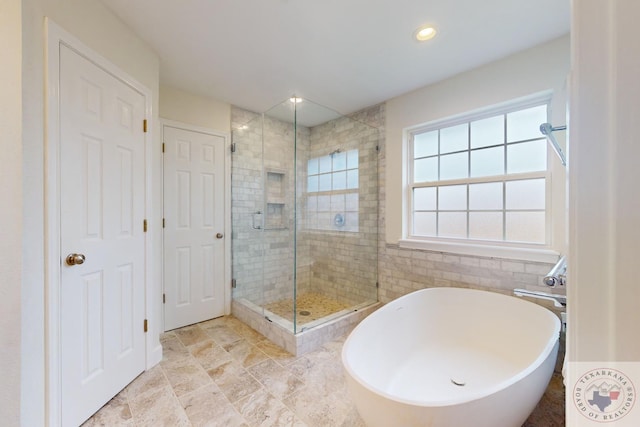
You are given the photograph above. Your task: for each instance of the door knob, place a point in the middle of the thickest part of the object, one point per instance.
(75, 259)
(219, 236)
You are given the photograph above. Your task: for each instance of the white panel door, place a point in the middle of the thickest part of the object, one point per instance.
(102, 193)
(194, 226)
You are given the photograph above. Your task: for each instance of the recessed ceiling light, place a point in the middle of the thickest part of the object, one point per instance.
(295, 99)
(425, 33)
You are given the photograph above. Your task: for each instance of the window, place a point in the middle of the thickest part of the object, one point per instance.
(481, 179)
(332, 187)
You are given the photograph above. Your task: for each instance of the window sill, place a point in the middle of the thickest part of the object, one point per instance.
(506, 252)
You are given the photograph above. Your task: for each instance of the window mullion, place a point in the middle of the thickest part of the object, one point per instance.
(504, 210)
(504, 182)
(518, 162)
(468, 172)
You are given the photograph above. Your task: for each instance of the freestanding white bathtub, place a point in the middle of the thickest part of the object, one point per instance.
(450, 357)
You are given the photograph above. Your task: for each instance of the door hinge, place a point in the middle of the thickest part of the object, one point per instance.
(145, 325)
(144, 225)
(233, 283)
(377, 285)
(162, 222)
(233, 147)
(163, 147)
(144, 126)
(164, 298)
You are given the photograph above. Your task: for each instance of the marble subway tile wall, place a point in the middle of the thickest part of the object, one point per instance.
(246, 183)
(263, 181)
(338, 264)
(343, 258)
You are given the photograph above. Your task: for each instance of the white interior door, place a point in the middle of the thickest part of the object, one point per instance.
(102, 194)
(194, 249)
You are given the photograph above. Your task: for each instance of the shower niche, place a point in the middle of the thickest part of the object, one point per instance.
(301, 277)
(275, 216)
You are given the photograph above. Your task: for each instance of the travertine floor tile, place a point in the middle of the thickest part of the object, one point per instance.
(317, 410)
(264, 410)
(186, 375)
(238, 386)
(191, 335)
(172, 348)
(209, 354)
(276, 379)
(116, 412)
(226, 372)
(275, 352)
(209, 407)
(151, 379)
(158, 407)
(222, 334)
(353, 419)
(245, 353)
(221, 373)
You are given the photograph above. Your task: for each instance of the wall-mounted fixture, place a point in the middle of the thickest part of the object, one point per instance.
(558, 274)
(548, 130)
(558, 300)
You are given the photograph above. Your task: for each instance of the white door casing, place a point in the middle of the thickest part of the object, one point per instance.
(195, 250)
(79, 102)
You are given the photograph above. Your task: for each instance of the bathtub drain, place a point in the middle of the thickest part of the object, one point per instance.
(459, 383)
(304, 313)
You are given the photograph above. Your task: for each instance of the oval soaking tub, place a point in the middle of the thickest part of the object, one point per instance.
(450, 357)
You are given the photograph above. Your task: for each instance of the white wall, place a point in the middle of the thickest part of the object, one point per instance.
(185, 107)
(604, 296)
(541, 68)
(11, 211)
(102, 31)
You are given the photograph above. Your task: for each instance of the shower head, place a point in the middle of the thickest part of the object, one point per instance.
(547, 130)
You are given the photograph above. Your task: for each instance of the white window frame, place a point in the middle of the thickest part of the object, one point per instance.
(487, 248)
(317, 193)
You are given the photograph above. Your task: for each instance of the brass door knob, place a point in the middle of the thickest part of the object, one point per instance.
(75, 259)
(219, 236)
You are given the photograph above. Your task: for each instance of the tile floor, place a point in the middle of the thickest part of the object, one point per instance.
(223, 373)
(315, 305)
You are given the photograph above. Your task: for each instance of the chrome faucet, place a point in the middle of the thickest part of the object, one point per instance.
(558, 300)
(558, 274)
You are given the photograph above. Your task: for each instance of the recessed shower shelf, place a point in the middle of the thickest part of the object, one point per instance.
(275, 206)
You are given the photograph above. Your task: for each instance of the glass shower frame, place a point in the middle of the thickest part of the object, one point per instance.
(304, 210)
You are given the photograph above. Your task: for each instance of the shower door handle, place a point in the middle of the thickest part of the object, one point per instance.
(257, 220)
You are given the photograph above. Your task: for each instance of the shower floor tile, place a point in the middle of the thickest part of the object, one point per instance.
(309, 307)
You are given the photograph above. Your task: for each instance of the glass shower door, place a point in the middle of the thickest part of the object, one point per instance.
(279, 214)
(247, 210)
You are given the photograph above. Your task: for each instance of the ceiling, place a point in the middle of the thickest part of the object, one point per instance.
(344, 54)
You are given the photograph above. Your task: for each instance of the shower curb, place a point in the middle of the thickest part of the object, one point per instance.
(307, 340)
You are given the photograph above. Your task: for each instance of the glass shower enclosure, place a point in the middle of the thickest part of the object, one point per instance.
(304, 213)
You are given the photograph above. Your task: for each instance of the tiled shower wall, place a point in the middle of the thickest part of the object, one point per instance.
(246, 183)
(343, 263)
(263, 259)
(336, 263)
